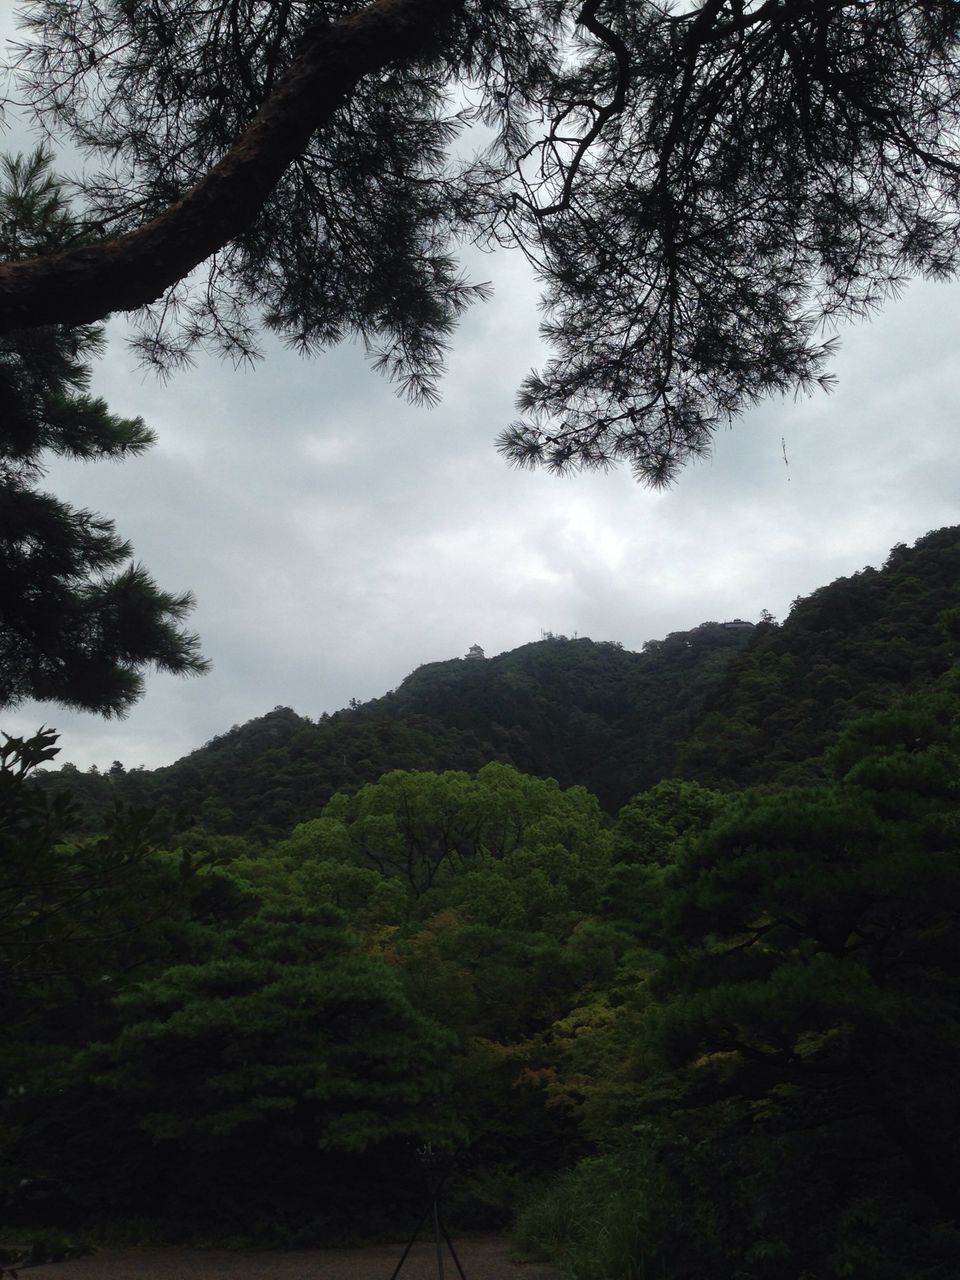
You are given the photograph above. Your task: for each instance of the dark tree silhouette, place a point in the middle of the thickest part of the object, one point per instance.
(700, 187)
(78, 620)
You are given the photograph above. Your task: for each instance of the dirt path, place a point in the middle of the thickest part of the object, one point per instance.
(482, 1258)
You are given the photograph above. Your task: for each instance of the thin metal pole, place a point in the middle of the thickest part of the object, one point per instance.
(439, 1230)
(436, 1236)
(452, 1251)
(410, 1244)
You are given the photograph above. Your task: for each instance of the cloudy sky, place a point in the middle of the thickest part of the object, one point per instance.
(336, 538)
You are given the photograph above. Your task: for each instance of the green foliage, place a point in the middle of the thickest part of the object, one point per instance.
(422, 826)
(606, 1219)
(670, 687)
(579, 711)
(789, 1044)
(78, 917)
(77, 628)
(272, 1080)
(848, 649)
(727, 1022)
(293, 1038)
(650, 825)
(331, 1002)
(700, 189)
(69, 909)
(722, 705)
(261, 779)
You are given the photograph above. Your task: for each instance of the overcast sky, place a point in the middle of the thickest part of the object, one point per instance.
(337, 538)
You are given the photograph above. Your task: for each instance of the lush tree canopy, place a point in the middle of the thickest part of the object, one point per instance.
(713, 1034)
(727, 1021)
(845, 649)
(770, 1073)
(578, 711)
(698, 187)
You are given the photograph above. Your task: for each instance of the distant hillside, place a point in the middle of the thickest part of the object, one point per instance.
(580, 711)
(848, 648)
(261, 778)
(575, 710)
(726, 704)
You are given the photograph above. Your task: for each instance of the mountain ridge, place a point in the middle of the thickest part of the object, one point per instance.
(725, 704)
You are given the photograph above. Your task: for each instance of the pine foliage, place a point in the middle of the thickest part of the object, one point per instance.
(79, 620)
(700, 188)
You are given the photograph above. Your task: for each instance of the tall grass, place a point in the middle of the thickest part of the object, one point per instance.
(603, 1220)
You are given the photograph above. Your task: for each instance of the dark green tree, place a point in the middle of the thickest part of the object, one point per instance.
(805, 1018)
(849, 648)
(78, 916)
(66, 905)
(78, 619)
(770, 1074)
(253, 1089)
(698, 186)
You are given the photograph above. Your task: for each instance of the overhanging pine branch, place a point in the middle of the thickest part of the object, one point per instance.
(86, 284)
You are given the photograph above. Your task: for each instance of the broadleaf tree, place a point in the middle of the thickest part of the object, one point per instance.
(699, 186)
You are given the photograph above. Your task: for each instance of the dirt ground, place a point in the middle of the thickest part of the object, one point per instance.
(482, 1258)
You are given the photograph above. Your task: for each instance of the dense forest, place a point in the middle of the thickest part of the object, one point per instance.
(658, 951)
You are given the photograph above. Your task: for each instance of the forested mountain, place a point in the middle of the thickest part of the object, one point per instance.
(716, 1033)
(260, 778)
(849, 648)
(575, 710)
(727, 705)
(724, 704)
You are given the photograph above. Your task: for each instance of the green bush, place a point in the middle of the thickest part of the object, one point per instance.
(603, 1220)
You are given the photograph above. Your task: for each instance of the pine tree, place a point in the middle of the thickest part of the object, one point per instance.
(78, 620)
(700, 187)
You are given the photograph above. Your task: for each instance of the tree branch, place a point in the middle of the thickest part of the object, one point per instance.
(85, 284)
(602, 114)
